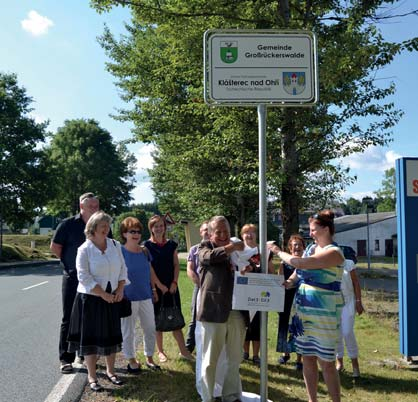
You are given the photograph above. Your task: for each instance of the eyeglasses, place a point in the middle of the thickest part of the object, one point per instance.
(132, 232)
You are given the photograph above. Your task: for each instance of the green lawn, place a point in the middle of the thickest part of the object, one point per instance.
(378, 262)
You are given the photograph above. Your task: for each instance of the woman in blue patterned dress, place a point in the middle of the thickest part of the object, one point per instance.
(318, 304)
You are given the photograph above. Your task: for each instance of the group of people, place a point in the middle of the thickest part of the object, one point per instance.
(99, 272)
(320, 283)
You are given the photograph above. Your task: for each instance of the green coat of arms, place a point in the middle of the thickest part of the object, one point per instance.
(229, 52)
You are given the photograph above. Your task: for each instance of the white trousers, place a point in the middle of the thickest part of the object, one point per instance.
(214, 337)
(144, 311)
(347, 331)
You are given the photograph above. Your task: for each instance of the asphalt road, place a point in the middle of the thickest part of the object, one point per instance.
(30, 313)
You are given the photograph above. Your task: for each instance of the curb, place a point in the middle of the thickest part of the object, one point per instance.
(70, 387)
(19, 264)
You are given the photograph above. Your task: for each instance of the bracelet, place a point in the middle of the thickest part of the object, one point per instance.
(358, 300)
(154, 290)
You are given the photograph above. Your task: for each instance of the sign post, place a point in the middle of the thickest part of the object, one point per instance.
(260, 68)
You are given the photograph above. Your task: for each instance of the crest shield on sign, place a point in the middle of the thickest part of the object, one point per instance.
(294, 82)
(229, 52)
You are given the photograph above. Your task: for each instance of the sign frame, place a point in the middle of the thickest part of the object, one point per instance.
(235, 35)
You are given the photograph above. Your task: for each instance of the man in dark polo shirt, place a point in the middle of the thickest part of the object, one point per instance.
(67, 238)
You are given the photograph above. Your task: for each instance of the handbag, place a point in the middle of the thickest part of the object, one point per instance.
(169, 318)
(125, 308)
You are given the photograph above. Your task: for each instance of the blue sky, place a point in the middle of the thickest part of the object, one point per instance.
(52, 47)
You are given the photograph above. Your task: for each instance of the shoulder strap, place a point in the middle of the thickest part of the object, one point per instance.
(119, 250)
(146, 252)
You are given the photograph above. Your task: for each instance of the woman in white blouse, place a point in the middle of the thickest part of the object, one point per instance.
(95, 322)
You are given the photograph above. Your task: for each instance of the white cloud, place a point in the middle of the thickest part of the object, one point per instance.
(144, 158)
(374, 159)
(38, 119)
(143, 193)
(36, 24)
(359, 195)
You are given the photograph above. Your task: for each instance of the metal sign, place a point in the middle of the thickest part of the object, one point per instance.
(255, 67)
(407, 207)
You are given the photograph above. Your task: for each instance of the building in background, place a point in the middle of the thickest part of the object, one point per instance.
(351, 230)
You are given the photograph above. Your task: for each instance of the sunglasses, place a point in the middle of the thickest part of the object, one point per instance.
(320, 217)
(132, 232)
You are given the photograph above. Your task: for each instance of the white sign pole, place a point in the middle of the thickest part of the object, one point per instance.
(262, 118)
(259, 68)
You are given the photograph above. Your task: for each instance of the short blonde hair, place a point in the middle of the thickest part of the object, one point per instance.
(248, 227)
(93, 222)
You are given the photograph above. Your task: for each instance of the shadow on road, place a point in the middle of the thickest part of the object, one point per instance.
(44, 270)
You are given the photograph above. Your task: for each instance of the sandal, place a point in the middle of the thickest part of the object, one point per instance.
(153, 366)
(95, 386)
(188, 357)
(134, 370)
(66, 368)
(114, 379)
(284, 359)
(163, 357)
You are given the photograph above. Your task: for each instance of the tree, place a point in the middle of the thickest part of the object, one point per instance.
(83, 158)
(23, 181)
(159, 70)
(387, 193)
(352, 206)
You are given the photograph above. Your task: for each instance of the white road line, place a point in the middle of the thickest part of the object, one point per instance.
(70, 387)
(34, 286)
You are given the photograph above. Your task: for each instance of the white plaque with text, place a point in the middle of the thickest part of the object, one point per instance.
(258, 292)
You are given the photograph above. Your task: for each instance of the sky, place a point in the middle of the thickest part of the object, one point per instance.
(52, 47)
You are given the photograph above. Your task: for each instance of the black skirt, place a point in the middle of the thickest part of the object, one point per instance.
(94, 326)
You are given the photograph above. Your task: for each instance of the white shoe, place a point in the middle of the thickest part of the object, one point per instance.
(356, 373)
(79, 360)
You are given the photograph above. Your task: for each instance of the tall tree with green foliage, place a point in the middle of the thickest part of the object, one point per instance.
(206, 158)
(352, 206)
(84, 158)
(387, 193)
(23, 179)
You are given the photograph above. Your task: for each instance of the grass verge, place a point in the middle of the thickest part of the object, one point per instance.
(18, 248)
